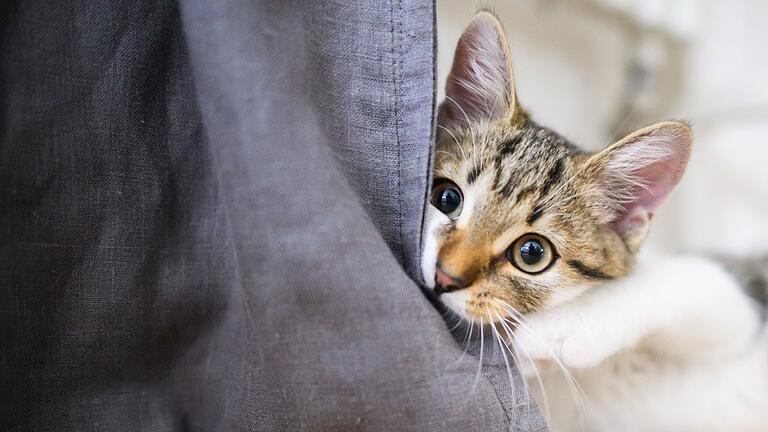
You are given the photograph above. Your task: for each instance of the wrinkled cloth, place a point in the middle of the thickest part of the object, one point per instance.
(211, 215)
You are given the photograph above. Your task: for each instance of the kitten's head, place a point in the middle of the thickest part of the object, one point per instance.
(519, 217)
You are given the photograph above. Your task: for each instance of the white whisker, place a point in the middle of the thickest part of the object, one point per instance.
(466, 117)
(449, 154)
(467, 342)
(503, 352)
(480, 363)
(539, 380)
(463, 154)
(577, 392)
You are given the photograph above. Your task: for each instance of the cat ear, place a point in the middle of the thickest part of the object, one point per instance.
(480, 85)
(637, 173)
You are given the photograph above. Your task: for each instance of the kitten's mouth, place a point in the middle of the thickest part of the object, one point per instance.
(441, 289)
(471, 306)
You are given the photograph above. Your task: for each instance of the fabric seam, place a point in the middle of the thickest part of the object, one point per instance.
(431, 152)
(396, 54)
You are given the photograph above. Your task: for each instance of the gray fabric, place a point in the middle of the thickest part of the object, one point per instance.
(369, 69)
(119, 304)
(206, 215)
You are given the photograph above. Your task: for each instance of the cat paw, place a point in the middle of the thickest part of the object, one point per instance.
(570, 342)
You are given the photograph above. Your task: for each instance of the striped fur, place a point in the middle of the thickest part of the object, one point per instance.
(519, 177)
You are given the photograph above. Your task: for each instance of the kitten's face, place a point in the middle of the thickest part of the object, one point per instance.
(524, 232)
(520, 219)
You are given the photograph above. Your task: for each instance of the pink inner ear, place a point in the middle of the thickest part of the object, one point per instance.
(651, 183)
(478, 84)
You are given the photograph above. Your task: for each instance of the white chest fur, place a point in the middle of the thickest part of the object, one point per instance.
(677, 346)
(637, 391)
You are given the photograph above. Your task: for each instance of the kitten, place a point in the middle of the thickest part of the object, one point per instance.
(539, 240)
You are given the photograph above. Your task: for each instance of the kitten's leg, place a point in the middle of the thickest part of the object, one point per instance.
(681, 307)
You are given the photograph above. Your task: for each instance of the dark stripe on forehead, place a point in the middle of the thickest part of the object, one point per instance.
(508, 146)
(507, 190)
(553, 177)
(538, 210)
(587, 271)
(525, 193)
(474, 172)
(505, 148)
(509, 186)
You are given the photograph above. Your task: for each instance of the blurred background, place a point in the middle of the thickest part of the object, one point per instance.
(594, 70)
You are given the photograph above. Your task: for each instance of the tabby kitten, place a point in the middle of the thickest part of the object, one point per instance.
(538, 241)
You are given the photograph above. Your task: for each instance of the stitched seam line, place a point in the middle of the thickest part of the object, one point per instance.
(431, 152)
(396, 52)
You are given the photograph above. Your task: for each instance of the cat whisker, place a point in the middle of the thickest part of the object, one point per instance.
(506, 346)
(466, 117)
(463, 154)
(450, 315)
(453, 316)
(503, 352)
(574, 388)
(467, 342)
(518, 320)
(480, 363)
(540, 381)
(449, 154)
(577, 392)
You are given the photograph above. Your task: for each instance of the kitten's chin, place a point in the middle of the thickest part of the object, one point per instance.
(457, 302)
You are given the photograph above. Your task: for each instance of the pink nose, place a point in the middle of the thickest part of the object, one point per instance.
(444, 282)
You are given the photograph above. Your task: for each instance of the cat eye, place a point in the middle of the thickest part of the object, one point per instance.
(447, 198)
(531, 253)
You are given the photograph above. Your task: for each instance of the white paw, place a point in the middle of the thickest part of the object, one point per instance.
(568, 339)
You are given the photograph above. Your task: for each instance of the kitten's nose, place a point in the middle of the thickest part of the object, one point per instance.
(444, 282)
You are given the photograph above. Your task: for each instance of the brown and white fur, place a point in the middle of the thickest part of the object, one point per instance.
(622, 341)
